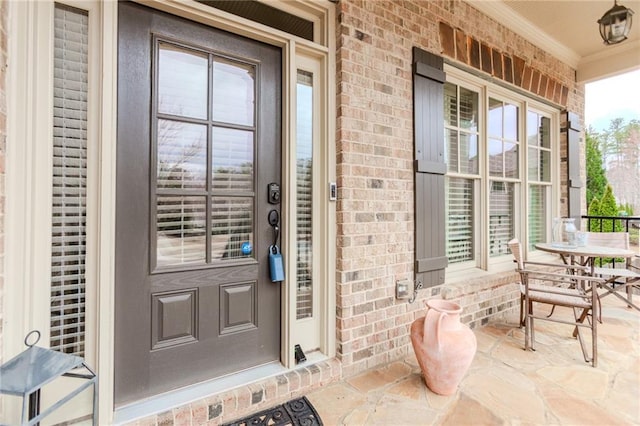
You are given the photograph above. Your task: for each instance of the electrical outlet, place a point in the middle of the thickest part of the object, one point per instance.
(404, 288)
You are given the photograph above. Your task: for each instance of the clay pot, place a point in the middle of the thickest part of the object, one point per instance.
(443, 346)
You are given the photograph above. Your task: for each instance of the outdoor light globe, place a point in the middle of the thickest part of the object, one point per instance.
(615, 24)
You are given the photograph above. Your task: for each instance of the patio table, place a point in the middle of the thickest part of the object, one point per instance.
(587, 255)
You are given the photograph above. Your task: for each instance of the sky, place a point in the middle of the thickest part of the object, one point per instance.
(612, 98)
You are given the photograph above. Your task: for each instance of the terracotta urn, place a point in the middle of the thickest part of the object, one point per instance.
(443, 346)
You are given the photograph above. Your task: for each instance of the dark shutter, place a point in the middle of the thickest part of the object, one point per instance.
(572, 129)
(428, 110)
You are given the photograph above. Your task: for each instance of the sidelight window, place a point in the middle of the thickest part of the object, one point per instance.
(69, 192)
(304, 193)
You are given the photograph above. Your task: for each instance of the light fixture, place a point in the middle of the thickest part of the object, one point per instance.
(615, 24)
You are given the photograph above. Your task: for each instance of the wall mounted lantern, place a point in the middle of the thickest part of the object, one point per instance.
(615, 24)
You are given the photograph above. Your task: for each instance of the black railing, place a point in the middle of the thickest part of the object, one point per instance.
(630, 224)
(612, 223)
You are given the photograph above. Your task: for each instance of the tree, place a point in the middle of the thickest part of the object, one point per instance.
(623, 168)
(594, 210)
(596, 178)
(609, 207)
(612, 145)
(614, 153)
(627, 209)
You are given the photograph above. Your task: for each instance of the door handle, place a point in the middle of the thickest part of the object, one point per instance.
(276, 263)
(274, 221)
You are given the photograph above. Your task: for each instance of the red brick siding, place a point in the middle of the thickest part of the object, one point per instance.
(232, 404)
(499, 64)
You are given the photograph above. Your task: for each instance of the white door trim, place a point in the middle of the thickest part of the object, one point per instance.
(29, 174)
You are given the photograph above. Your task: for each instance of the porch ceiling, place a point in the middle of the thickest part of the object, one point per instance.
(568, 29)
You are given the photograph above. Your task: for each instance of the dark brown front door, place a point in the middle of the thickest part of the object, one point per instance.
(198, 145)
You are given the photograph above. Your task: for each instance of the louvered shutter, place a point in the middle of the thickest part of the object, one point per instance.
(68, 251)
(571, 131)
(430, 168)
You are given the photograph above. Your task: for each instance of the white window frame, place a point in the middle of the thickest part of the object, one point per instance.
(486, 89)
(307, 331)
(552, 184)
(478, 179)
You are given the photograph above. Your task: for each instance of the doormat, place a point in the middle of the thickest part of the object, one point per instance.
(297, 412)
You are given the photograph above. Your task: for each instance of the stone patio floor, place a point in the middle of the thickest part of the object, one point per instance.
(506, 385)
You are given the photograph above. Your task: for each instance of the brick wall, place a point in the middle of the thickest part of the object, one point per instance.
(374, 40)
(375, 159)
(235, 403)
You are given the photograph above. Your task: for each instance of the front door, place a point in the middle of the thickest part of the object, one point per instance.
(199, 122)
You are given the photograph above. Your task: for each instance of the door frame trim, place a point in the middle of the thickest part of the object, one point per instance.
(29, 178)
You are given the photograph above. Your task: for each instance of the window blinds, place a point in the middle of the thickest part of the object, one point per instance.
(304, 192)
(501, 217)
(68, 251)
(459, 219)
(537, 215)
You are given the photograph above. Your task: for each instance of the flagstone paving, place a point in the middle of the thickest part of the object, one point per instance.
(506, 385)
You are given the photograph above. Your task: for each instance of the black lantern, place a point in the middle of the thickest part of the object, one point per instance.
(615, 24)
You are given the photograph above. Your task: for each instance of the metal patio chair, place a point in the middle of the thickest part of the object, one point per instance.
(619, 275)
(570, 288)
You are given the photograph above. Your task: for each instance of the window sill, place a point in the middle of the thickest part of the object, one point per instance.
(497, 265)
(471, 281)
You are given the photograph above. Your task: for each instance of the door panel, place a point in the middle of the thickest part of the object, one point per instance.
(198, 143)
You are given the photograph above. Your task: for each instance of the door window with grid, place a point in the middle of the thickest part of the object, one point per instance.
(204, 157)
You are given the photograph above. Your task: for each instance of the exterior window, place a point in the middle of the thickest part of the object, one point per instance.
(501, 217)
(503, 147)
(503, 139)
(304, 188)
(539, 175)
(499, 165)
(460, 219)
(461, 156)
(69, 192)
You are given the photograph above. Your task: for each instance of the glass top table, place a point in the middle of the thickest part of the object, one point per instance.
(588, 251)
(587, 255)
